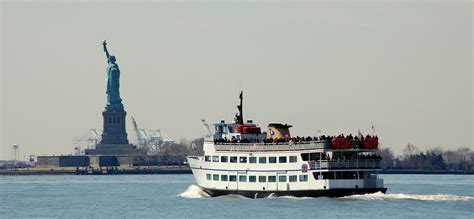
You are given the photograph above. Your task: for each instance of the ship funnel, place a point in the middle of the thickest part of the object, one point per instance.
(278, 131)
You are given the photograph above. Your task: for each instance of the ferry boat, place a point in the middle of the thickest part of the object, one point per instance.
(241, 159)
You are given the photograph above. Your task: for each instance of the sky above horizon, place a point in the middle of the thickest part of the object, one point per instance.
(404, 66)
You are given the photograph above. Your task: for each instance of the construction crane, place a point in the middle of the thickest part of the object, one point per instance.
(137, 133)
(89, 140)
(150, 137)
(207, 129)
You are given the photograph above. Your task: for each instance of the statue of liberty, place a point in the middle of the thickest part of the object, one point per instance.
(113, 81)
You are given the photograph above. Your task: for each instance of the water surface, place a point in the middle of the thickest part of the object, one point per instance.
(176, 196)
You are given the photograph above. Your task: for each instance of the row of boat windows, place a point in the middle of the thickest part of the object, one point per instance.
(234, 159)
(261, 179)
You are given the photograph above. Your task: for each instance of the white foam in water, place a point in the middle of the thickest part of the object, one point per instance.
(296, 198)
(437, 197)
(194, 191)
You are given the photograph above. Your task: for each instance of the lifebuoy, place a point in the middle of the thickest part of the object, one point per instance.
(304, 168)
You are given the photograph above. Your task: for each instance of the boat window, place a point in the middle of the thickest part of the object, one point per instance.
(233, 159)
(272, 160)
(208, 176)
(328, 175)
(215, 158)
(282, 159)
(293, 159)
(242, 178)
(281, 178)
(215, 177)
(224, 159)
(318, 175)
(315, 156)
(305, 156)
(253, 160)
(340, 175)
(262, 179)
(262, 160)
(224, 178)
(271, 178)
(303, 178)
(293, 178)
(252, 179)
(233, 178)
(207, 158)
(242, 159)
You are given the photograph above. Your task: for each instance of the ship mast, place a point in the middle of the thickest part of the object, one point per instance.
(240, 117)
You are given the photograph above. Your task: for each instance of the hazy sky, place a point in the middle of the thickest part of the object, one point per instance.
(405, 66)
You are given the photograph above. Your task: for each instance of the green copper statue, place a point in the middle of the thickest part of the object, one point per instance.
(113, 81)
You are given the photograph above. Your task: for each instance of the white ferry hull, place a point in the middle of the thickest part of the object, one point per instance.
(299, 193)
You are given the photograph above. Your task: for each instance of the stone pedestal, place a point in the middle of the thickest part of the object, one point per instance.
(114, 126)
(114, 136)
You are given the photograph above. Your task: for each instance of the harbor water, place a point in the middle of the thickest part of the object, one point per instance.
(177, 196)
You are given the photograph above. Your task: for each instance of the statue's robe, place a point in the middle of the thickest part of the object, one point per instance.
(113, 85)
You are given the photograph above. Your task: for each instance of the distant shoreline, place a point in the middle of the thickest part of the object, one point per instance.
(179, 170)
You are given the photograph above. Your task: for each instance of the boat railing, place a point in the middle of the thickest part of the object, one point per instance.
(220, 146)
(345, 164)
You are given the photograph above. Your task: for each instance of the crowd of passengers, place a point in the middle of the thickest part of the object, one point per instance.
(293, 140)
(324, 156)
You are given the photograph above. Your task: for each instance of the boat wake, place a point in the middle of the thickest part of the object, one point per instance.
(194, 191)
(402, 196)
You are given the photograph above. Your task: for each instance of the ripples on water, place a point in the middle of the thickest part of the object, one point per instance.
(177, 196)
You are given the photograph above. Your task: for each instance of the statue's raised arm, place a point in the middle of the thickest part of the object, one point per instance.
(105, 50)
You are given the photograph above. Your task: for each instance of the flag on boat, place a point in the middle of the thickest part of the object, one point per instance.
(360, 135)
